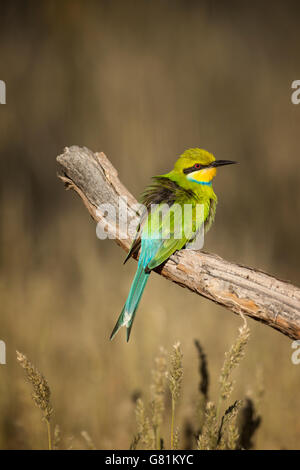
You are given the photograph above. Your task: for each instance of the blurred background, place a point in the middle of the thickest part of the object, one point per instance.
(141, 81)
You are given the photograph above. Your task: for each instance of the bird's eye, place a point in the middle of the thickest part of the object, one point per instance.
(197, 166)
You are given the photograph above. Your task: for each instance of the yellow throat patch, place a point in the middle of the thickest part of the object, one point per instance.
(205, 175)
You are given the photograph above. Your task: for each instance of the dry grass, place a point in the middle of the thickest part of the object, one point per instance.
(175, 379)
(213, 433)
(223, 433)
(41, 391)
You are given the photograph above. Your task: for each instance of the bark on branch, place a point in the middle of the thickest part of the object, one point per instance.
(240, 289)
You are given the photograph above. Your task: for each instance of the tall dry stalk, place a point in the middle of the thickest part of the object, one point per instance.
(41, 391)
(145, 431)
(232, 359)
(224, 433)
(159, 375)
(175, 379)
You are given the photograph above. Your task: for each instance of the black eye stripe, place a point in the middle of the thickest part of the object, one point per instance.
(195, 167)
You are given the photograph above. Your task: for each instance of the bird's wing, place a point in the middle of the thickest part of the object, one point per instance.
(169, 233)
(161, 191)
(167, 248)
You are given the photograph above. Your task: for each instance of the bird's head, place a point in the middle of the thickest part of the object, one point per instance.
(199, 166)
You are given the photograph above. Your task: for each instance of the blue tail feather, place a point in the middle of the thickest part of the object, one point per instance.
(128, 312)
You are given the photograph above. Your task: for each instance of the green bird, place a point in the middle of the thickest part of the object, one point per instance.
(162, 232)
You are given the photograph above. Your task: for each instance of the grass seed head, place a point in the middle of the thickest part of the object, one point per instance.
(232, 359)
(176, 372)
(41, 390)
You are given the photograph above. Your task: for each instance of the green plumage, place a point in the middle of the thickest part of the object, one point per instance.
(166, 226)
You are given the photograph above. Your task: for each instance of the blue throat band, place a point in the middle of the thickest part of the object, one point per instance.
(201, 182)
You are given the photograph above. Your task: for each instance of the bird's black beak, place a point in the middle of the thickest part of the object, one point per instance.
(222, 162)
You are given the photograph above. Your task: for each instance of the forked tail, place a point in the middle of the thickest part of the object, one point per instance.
(128, 313)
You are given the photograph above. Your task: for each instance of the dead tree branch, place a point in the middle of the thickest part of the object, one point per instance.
(238, 288)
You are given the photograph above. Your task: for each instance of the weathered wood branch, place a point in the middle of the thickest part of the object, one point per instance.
(240, 289)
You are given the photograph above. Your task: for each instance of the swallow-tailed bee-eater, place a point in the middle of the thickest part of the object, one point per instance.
(161, 233)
